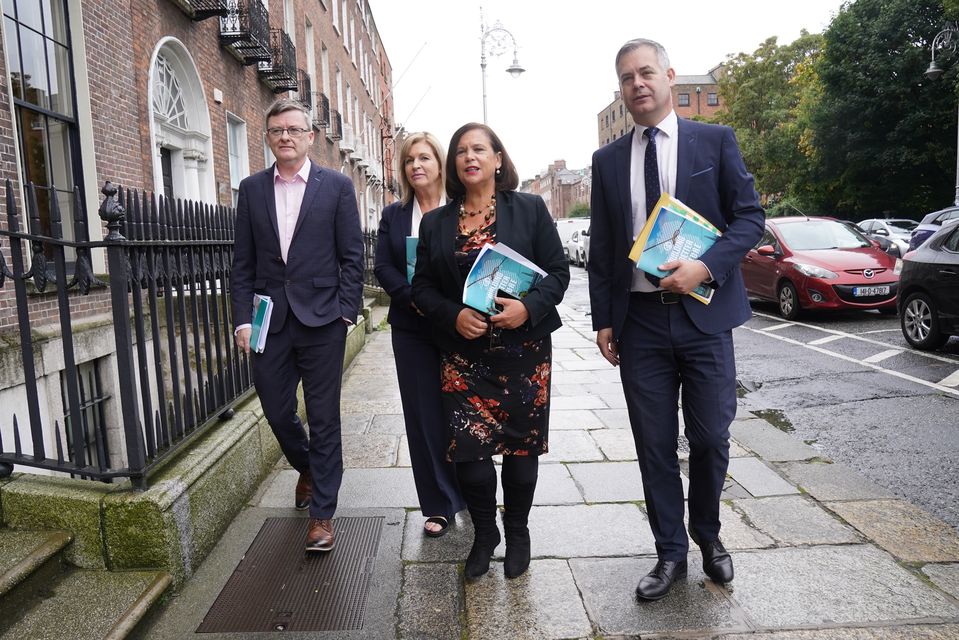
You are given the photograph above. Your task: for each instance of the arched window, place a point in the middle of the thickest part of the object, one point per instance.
(180, 126)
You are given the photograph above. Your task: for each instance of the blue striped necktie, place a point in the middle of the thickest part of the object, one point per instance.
(651, 174)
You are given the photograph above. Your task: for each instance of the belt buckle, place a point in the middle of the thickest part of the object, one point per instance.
(668, 297)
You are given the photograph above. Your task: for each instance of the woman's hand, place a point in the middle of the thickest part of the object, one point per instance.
(513, 315)
(470, 324)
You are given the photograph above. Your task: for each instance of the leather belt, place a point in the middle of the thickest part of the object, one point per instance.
(659, 297)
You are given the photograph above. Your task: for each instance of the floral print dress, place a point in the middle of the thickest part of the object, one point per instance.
(496, 396)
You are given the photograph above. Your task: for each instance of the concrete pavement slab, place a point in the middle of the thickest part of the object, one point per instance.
(613, 418)
(562, 419)
(769, 442)
(451, 548)
(431, 602)
(693, 605)
(595, 364)
(944, 576)
(736, 533)
(367, 488)
(758, 479)
(832, 585)
(354, 422)
(577, 402)
(403, 453)
(369, 450)
(589, 531)
(554, 486)
(795, 520)
(609, 481)
(541, 604)
(572, 446)
(388, 423)
(905, 632)
(616, 444)
(831, 481)
(904, 530)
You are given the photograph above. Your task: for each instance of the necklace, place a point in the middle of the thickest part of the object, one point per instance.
(491, 210)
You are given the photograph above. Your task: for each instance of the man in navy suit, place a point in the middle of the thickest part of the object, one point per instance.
(662, 339)
(298, 241)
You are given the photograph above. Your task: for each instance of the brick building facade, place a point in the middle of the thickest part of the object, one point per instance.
(560, 188)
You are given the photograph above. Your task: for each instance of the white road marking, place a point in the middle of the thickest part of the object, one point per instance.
(882, 355)
(952, 380)
(777, 327)
(831, 338)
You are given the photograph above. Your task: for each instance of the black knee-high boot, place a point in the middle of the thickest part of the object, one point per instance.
(519, 484)
(477, 482)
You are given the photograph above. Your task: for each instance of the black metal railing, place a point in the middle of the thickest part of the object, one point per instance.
(321, 117)
(304, 90)
(177, 368)
(335, 130)
(279, 73)
(203, 9)
(369, 257)
(245, 31)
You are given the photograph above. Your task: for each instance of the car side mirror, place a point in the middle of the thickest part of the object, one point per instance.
(766, 250)
(881, 232)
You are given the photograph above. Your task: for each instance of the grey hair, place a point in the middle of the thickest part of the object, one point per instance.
(636, 43)
(285, 104)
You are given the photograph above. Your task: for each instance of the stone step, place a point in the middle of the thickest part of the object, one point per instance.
(86, 605)
(28, 557)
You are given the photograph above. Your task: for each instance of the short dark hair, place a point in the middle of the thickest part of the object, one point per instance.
(508, 178)
(285, 104)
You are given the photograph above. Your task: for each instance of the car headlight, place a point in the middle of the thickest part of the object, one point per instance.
(898, 268)
(814, 272)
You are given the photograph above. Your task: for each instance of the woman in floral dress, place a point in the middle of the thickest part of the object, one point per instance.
(495, 369)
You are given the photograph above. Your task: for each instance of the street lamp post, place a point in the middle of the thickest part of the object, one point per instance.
(945, 40)
(498, 37)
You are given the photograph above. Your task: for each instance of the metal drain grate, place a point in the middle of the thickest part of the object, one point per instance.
(278, 586)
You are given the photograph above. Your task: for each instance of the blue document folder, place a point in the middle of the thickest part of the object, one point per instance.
(499, 271)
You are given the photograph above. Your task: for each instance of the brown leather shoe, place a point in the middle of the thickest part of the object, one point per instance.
(304, 492)
(319, 536)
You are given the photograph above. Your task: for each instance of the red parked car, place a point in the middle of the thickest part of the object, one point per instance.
(804, 263)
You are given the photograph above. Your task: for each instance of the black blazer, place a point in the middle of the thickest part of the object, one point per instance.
(523, 224)
(390, 269)
(710, 178)
(322, 279)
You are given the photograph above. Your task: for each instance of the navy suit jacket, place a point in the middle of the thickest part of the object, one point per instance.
(396, 224)
(523, 224)
(322, 279)
(711, 179)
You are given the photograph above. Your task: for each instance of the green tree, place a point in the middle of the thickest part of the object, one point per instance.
(882, 137)
(579, 210)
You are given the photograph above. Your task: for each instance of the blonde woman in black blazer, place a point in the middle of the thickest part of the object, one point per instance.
(496, 370)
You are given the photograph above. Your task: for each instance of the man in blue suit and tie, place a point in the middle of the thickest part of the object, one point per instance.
(664, 341)
(298, 240)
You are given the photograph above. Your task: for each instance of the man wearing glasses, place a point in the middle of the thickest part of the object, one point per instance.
(298, 241)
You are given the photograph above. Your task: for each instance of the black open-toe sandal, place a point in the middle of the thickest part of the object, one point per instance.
(441, 521)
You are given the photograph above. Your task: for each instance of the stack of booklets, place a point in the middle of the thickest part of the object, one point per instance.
(262, 311)
(673, 231)
(411, 242)
(499, 272)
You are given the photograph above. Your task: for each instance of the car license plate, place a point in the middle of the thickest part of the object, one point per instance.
(862, 292)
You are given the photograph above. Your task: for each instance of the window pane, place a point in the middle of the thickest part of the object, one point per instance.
(34, 68)
(61, 87)
(28, 13)
(61, 169)
(55, 20)
(9, 9)
(12, 45)
(33, 138)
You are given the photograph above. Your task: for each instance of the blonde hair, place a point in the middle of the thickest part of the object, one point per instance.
(406, 189)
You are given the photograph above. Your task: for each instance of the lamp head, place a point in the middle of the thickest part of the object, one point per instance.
(934, 72)
(515, 69)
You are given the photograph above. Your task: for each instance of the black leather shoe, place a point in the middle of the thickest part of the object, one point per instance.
(477, 562)
(717, 563)
(655, 584)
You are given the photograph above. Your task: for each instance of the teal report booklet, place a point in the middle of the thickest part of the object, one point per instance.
(411, 242)
(262, 310)
(499, 271)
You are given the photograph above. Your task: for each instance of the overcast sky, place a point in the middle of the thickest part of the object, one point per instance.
(568, 49)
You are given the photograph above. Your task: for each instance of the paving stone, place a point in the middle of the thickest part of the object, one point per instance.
(594, 364)
(572, 446)
(758, 479)
(731, 490)
(944, 576)
(351, 423)
(904, 530)
(834, 585)
(555, 485)
(363, 488)
(795, 520)
(610, 481)
(770, 443)
(451, 548)
(737, 534)
(616, 444)
(589, 531)
(403, 454)
(431, 602)
(279, 490)
(369, 450)
(613, 400)
(908, 632)
(577, 402)
(736, 451)
(608, 586)
(388, 423)
(613, 418)
(542, 603)
(829, 481)
(573, 419)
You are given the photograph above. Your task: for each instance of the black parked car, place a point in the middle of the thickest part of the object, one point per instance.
(929, 290)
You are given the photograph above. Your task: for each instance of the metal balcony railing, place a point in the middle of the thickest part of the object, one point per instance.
(279, 73)
(335, 130)
(304, 89)
(245, 31)
(202, 9)
(321, 117)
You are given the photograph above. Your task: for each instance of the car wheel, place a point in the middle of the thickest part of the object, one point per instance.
(788, 301)
(920, 323)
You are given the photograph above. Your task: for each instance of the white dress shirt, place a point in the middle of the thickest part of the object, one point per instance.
(418, 215)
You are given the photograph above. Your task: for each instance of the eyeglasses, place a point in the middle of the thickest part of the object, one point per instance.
(293, 132)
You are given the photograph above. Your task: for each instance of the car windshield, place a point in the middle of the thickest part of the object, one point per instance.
(810, 235)
(902, 225)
